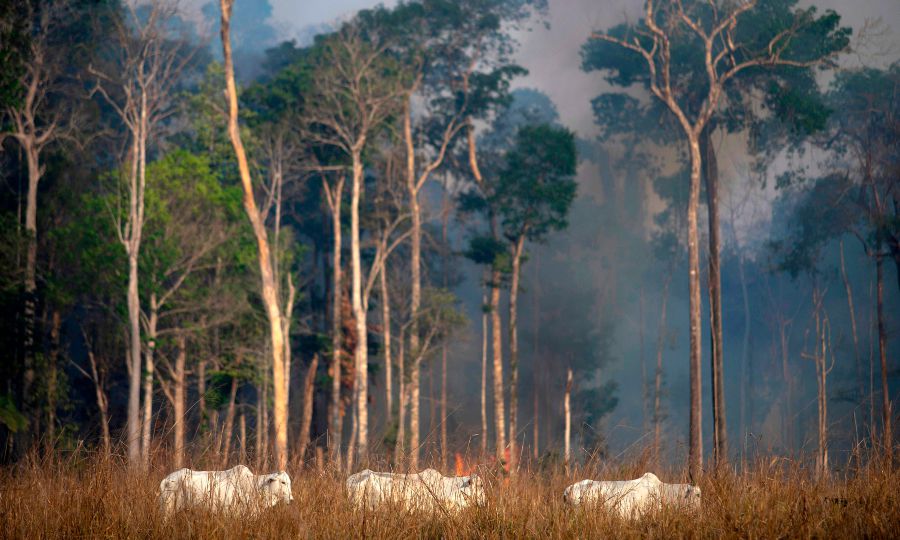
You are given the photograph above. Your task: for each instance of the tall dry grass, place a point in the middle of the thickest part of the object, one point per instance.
(88, 497)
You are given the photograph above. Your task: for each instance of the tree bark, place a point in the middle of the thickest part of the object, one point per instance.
(179, 405)
(388, 361)
(496, 330)
(445, 247)
(52, 369)
(714, 285)
(400, 446)
(269, 288)
(359, 313)
(242, 430)
(695, 457)
(882, 352)
(30, 280)
(153, 321)
(334, 437)
(308, 397)
(514, 351)
(415, 285)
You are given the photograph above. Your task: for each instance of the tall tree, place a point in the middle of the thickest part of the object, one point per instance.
(535, 189)
(139, 84)
(731, 43)
(273, 307)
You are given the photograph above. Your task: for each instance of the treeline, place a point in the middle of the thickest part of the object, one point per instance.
(265, 269)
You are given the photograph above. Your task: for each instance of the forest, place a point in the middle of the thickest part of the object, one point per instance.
(382, 243)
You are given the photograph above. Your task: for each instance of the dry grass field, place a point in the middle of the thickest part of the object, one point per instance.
(90, 498)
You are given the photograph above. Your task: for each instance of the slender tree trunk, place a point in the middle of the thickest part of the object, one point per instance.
(400, 447)
(535, 310)
(258, 446)
(228, 432)
(445, 247)
(132, 247)
(860, 379)
(822, 372)
(30, 280)
(179, 404)
(359, 313)
(496, 330)
(514, 351)
(789, 384)
(882, 352)
(269, 288)
(415, 285)
(711, 175)
(484, 356)
(567, 409)
(657, 380)
(266, 425)
(388, 361)
(148, 379)
(695, 457)
(102, 401)
(308, 397)
(745, 349)
(334, 436)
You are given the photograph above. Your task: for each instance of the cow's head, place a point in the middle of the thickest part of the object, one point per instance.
(692, 496)
(473, 489)
(276, 488)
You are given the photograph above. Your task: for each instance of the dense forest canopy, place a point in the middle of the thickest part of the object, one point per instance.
(386, 242)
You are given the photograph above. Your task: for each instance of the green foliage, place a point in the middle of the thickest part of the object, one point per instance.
(10, 415)
(536, 186)
(14, 41)
(485, 250)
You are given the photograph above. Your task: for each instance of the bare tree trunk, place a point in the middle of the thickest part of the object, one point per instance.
(148, 379)
(388, 361)
(227, 433)
(567, 409)
(415, 285)
(400, 447)
(269, 289)
(484, 356)
(853, 332)
(535, 310)
(695, 457)
(514, 352)
(657, 382)
(179, 404)
(260, 405)
(201, 390)
(359, 313)
(444, 248)
(30, 280)
(714, 282)
(308, 397)
(102, 401)
(266, 425)
(496, 330)
(334, 436)
(820, 356)
(882, 351)
(745, 350)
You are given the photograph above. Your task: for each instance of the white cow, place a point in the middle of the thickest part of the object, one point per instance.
(631, 498)
(234, 489)
(427, 491)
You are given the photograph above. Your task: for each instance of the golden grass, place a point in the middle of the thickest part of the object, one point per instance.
(94, 498)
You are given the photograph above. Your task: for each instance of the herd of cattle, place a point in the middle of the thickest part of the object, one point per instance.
(238, 489)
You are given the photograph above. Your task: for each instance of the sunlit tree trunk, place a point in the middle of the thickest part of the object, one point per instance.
(269, 288)
(695, 458)
(400, 447)
(179, 404)
(388, 360)
(153, 321)
(415, 285)
(359, 313)
(497, 354)
(228, 432)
